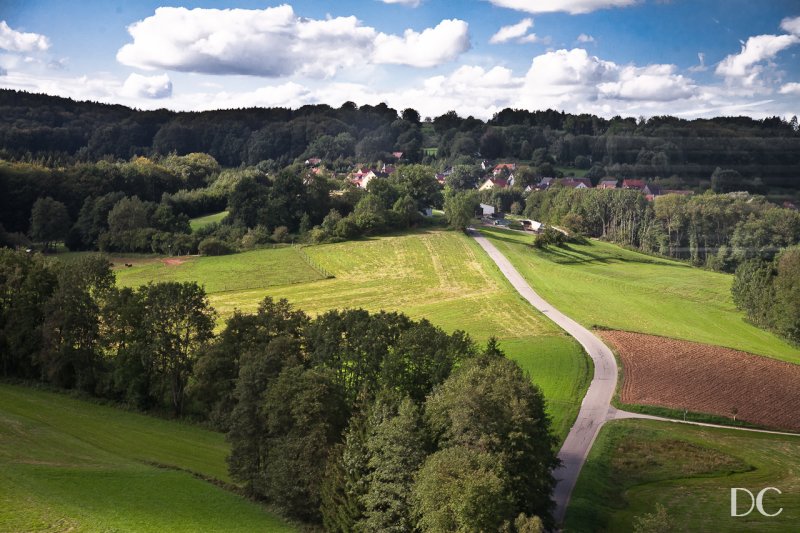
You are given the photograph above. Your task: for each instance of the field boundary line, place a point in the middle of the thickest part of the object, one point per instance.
(321, 270)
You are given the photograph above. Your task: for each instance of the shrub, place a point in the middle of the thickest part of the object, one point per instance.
(214, 246)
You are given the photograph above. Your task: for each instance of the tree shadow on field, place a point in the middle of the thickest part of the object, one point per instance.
(567, 255)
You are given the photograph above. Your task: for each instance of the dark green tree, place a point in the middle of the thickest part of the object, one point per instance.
(396, 445)
(49, 221)
(179, 321)
(460, 208)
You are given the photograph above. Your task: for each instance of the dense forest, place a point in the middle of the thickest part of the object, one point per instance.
(58, 131)
(351, 420)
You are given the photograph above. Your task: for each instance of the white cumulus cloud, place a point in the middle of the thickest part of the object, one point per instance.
(573, 7)
(790, 88)
(580, 82)
(584, 38)
(657, 83)
(514, 31)
(138, 86)
(275, 42)
(791, 25)
(431, 47)
(746, 65)
(17, 41)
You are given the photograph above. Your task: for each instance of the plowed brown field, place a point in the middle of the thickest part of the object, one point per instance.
(707, 379)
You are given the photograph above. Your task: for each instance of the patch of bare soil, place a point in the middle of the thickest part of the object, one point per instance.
(174, 261)
(708, 379)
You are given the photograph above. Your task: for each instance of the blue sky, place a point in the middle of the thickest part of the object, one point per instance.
(609, 57)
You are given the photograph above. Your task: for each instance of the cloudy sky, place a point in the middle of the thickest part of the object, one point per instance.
(690, 58)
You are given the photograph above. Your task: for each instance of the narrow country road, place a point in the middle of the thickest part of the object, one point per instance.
(596, 407)
(597, 402)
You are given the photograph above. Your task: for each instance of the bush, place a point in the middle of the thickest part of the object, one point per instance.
(549, 236)
(281, 234)
(255, 236)
(214, 246)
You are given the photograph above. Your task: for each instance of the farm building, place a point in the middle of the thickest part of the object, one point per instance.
(607, 184)
(531, 225)
(486, 210)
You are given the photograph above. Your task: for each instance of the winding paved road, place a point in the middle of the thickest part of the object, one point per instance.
(597, 402)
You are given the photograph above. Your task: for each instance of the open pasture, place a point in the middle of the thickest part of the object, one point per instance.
(602, 284)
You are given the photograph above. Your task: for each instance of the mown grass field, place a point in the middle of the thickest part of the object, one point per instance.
(201, 222)
(601, 284)
(439, 275)
(71, 465)
(257, 269)
(690, 471)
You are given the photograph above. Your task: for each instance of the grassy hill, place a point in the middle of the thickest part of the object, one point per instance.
(439, 275)
(690, 470)
(601, 284)
(70, 465)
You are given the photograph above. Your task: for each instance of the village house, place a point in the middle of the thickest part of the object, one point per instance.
(362, 177)
(545, 183)
(633, 184)
(576, 183)
(494, 183)
(607, 184)
(651, 191)
(511, 167)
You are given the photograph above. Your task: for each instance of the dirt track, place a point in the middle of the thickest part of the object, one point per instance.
(708, 379)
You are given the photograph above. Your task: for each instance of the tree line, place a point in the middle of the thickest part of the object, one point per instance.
(352, 421)
(719, 231)
(768, 291)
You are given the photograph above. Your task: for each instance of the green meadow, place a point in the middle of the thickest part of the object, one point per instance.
(442, 276)
(257, 269)
(690, 471)
(605, 285)
(201, 222)
(71, 465)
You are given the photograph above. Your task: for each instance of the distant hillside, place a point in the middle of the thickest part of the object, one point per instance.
(34, 126)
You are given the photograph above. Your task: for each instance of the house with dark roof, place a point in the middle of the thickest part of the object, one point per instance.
(545, 183)
(576, 183)
(651, 190)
